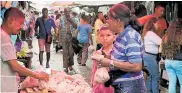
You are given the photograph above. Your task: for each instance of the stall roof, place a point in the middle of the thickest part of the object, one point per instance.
(97, 3)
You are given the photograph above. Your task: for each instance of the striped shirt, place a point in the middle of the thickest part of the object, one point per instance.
(128, 47)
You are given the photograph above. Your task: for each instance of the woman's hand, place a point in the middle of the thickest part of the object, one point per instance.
(97, 56)
(101, 61)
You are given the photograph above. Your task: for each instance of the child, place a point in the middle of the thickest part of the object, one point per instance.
(84, 32)
(106, 37)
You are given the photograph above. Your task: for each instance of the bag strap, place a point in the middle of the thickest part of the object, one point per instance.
(44, 26)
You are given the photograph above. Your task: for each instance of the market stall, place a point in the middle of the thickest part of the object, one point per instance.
(59, 82)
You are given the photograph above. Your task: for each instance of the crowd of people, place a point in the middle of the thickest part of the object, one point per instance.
(124, 43)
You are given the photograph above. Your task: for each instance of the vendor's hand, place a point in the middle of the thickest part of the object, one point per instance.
(43, 76)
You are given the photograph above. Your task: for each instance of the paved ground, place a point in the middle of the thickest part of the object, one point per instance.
(56, 61)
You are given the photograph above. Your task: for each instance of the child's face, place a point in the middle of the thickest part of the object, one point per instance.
(106, 37)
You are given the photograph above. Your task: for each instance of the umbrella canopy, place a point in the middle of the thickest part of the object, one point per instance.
(63, 3)
(97, 3)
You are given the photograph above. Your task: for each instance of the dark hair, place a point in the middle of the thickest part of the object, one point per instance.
(104, 27)
(55, 12)
(44, 9)
(140, 11)
(122, 12)
(58, 16)
(85, 18)
(97, 16)
(158, 5)
(74, 13)
(149, 26)
(13, 12)
(179, 13)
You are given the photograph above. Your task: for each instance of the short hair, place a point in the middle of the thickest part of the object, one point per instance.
(44, 9)
(179, 13)
(158, 5)
(58, 16)
(104, 27)
(55, 12)
(99, 13)
(13, 12)
(85, 18)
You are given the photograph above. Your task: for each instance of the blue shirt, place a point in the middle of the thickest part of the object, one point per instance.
(83, 35)
(128, 47)
(48, 24)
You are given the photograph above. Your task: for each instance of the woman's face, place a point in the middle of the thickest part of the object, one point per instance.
(106, 37)
(112, 24)
(156, 25)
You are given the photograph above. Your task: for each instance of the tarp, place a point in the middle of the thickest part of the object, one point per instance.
(97, 3)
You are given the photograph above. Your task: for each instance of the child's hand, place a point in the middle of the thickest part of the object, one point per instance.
(97, 56)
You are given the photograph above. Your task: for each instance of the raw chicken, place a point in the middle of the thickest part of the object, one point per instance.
(29, 82)
(60, 82)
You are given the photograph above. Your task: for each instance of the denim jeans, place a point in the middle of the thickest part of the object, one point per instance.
(134, 86)
(151, 64)
(174, 71)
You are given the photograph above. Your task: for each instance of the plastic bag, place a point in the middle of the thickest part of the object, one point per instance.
(91, 48)
(101, 75)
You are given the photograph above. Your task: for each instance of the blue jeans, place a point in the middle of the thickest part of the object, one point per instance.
(134, 86)
(151, 64)
(174, 71)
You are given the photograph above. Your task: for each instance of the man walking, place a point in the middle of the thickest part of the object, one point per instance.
(67, 26)
(45, 23)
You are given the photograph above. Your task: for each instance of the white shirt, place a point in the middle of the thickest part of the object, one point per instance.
(152, 42)
(8, 77)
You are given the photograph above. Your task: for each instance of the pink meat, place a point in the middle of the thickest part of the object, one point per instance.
(29, 82)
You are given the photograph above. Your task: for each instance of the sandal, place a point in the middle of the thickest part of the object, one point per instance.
(66, 70)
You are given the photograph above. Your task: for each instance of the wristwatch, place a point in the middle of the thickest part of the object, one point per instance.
(111, 64)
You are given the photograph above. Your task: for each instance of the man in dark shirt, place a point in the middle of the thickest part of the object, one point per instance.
(45, 23)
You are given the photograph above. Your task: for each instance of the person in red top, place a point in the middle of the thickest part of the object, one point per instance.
(159, 11)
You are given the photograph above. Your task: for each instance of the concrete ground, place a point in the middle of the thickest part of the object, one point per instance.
(56, 61)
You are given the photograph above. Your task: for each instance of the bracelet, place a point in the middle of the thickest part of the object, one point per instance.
(111, 64)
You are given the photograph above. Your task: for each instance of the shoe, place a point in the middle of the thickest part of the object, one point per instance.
(47, 65)
(56, 48)
(66, 70)
(70, 68)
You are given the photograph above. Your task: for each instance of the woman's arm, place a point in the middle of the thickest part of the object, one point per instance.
(124, 66)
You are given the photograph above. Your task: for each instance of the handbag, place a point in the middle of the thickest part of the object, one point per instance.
(178, 56)
(48, 36)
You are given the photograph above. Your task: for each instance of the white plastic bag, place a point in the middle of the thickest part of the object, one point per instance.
(91, 48)
(101, 75)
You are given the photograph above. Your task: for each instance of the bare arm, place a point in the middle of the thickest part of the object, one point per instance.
(90, 36)
(24, 71)
(76, 33)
